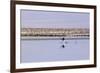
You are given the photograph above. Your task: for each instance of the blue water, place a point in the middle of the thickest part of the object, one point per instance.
(52, 50)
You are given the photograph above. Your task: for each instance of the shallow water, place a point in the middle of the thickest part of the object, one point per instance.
(52, 50)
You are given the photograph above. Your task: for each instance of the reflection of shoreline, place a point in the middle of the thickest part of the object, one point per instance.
(51, 32)
(52, 38)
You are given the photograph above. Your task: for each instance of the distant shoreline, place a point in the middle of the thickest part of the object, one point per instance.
(53, 32)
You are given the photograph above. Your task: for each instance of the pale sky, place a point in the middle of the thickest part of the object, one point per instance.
(53, 19)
